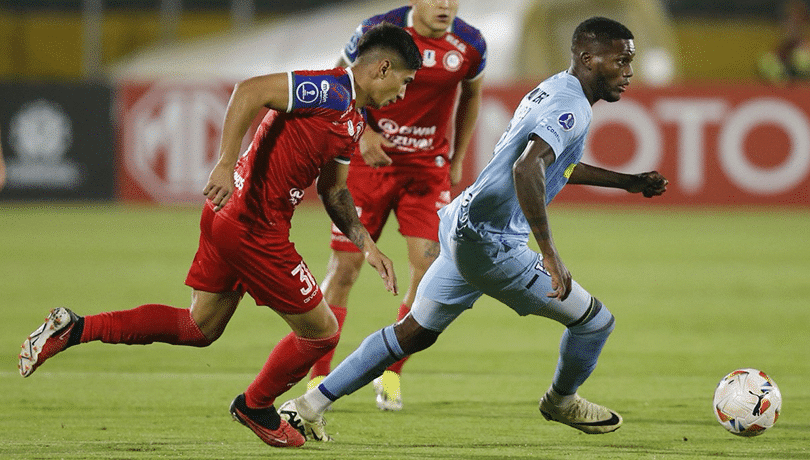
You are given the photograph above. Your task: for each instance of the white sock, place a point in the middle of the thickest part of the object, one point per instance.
(316, 402)
(558, 399)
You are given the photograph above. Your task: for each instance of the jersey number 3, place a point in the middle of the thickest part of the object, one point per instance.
(306, 278)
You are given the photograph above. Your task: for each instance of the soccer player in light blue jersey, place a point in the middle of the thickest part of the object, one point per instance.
(484, 234)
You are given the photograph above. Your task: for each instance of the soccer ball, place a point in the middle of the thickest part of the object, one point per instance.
(747, 402)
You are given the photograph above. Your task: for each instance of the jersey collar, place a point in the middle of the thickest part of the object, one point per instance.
(351, 80)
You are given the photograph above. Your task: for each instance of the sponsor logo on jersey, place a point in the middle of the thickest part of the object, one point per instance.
(296, 195)
(551, 130)
(238, 180)
(429, 58)
(567, 121)
(324, 90)
(444, 199)
(388, 126)
(408, 138)
(307, 92)
(452, 60)
(456, 42)
(354, 130)
(391, 127)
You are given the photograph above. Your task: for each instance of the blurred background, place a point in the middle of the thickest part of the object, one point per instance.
(123, 99)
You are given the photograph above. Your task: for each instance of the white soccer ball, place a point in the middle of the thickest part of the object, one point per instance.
(747, 402)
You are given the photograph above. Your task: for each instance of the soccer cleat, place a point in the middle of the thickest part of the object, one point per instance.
(581, 414)
(47, 340)
(260, 420)
(387, 388)
(309, 424)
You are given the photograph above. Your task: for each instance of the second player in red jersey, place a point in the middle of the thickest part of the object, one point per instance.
(410, 155)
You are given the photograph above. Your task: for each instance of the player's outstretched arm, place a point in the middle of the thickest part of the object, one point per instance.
(649, 184)
(530, 186)
(340, 206)
(246, 101)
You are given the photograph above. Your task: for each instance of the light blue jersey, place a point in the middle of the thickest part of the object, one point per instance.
(559, 113)
(484, 234)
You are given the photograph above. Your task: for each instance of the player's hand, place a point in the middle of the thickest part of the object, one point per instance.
(649, 184)
(384, 267)
(220, 185)
(560, 276)
(371, 148)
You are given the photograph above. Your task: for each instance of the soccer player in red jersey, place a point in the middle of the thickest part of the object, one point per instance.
(316, 118)
(407, 162)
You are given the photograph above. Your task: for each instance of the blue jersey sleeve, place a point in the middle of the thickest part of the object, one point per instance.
(350, 50)
(318, 91)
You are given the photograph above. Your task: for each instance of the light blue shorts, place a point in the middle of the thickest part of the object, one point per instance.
(465, 270)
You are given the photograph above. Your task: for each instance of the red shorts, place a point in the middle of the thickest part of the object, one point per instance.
(232, 258)
(415, 194)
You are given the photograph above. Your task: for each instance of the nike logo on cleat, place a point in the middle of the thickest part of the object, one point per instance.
(614, 419)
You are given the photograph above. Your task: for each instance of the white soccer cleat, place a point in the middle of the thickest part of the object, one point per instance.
(47, 340)
(581, 414)
(308, 423)
(389, 394)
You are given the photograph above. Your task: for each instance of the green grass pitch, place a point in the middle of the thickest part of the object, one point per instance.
(696, 293)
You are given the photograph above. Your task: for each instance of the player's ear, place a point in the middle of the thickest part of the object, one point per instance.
(383, 68)
(586, 59)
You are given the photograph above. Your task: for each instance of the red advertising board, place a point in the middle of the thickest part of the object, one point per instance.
(169, 135)
(721, 145)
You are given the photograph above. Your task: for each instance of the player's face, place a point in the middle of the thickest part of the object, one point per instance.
(433, 17)
(613, 69)
(391, 87)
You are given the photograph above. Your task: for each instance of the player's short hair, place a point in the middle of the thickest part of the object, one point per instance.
(389, 37)
(599, 29)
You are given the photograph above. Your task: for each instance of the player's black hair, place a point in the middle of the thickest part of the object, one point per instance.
(599, 29)
(390, 37)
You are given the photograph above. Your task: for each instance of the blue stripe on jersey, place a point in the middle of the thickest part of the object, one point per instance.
(397, 17)
(472, 36)
(321, 91)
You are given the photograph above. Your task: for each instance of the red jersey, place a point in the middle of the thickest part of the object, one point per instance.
(321, 124)
(419, 123)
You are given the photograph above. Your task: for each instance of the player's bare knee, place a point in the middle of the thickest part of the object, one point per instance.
(412, 337)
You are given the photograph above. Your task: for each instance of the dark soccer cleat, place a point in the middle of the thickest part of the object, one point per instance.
(581, 414)
(260, 420)
(49, 339)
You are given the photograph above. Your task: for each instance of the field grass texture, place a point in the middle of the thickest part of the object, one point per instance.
(696, 293)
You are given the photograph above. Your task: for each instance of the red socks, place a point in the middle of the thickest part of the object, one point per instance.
(397, 366)
(323, 366)
(287, 364)
(144, 325)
